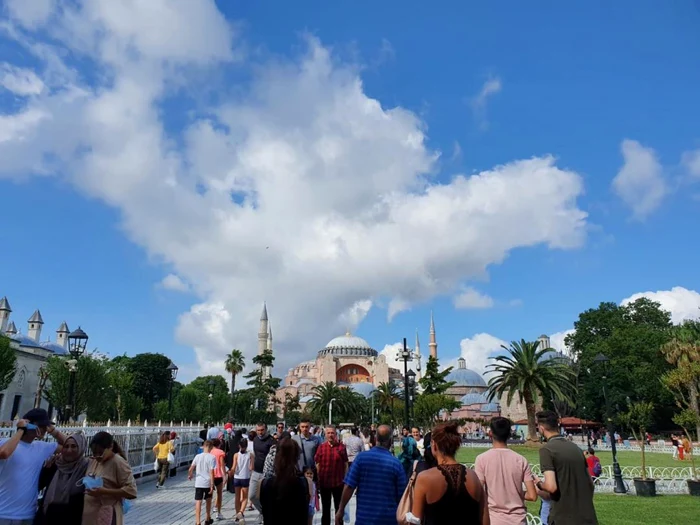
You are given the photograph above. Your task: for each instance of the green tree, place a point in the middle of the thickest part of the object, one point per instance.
(235, 362)
(434, 381)
(91, 387)
(638, 419)
(121, 383)
(151, 379)
(187, 404)
(322, 396)
(683, 351)
(291, 403)
(630, 336)
(427, 408)
(386, 396)
(8, 363)
(263, 387)
(530, 373)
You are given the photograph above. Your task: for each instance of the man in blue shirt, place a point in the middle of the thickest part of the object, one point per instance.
(380, 481)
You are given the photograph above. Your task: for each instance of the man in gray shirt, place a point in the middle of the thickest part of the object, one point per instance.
(353, 445)
(308, 443)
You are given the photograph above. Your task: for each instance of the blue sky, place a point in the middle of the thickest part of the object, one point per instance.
(124, 143)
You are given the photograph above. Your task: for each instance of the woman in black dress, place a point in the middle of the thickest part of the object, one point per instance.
(63, 500)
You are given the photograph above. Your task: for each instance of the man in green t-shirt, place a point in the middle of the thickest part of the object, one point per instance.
(565, 476)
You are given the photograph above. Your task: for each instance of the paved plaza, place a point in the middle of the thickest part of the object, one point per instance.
(174, 504)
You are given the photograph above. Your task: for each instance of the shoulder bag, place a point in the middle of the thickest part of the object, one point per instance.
(406, 502)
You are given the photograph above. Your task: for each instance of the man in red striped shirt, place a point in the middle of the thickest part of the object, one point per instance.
(331, 465)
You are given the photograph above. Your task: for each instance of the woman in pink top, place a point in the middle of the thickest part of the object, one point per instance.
(503, 473)
(219, 474)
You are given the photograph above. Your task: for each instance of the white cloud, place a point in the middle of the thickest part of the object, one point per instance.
(471, 298)
(640, 182)
(20, 81)
(477, 350)
(680, 302)
(491, 87)
(691, 161)
(391, 352)
(174, 283)
(556, 340)
(31, 13)
(297, 188)
(396, 306)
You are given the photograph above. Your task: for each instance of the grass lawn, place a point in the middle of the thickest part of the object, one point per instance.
(626, 458)
(632, 510)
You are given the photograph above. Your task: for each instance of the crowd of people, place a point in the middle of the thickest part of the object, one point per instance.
(77, 488)
(295, 472)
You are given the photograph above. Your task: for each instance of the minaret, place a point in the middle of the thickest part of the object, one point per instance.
(433, 341)
(267, 373)
(35, 324)
(5, 312)
(62, 335)
(263, 332)
(418, 358)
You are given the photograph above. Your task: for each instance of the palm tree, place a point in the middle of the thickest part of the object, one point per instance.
(235, 363)
(387, 393)
(681, 351)
(530, 372)
(322, 395)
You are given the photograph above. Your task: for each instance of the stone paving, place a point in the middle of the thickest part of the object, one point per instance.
(174, 505)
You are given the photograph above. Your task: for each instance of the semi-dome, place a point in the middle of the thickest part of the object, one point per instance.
(365, 389)
(463, 376)
(474, 399)
(305, 399)
(54, 347)
(348, 345)
(305, 381)
(491, 407)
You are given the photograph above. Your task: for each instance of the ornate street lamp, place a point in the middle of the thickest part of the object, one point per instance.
(172, 371)
(412, 387)
(406, 355)
(77, 342)
(603, 360)
(211, 384)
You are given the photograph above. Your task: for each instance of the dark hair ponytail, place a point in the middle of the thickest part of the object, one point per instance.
(106, 441)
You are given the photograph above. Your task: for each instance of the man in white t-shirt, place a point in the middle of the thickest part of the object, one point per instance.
(21, 460)
(203, 466)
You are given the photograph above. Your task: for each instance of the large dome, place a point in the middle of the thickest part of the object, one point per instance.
(348, 345)
(462, 376)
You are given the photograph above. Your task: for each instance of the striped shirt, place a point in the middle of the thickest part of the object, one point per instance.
(380, 481)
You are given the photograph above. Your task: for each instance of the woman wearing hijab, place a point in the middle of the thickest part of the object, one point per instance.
(63, 500)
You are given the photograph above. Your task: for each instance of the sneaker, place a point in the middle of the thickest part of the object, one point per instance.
(219, 516)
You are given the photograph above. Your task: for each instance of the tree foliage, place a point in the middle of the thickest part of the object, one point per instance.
(151, 379)
(427, 408)
(434, 381)
(8, 363)
(630, 336)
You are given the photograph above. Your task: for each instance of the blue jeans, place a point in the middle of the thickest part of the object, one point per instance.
(544, 511)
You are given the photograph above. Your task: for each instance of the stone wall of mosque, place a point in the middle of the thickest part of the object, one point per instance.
(19, 396)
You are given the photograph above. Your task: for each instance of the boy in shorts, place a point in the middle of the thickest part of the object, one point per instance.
(203, 466)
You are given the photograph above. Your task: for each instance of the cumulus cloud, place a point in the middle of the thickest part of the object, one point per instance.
(174, 283)
(556, 341)
(691, 161)
(471, 298)
(294, 187)
(391, 352)
(680, 302)
(478, 349)
(20, 81)
(640, 182)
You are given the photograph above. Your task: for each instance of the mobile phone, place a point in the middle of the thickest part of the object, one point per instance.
(31, 426)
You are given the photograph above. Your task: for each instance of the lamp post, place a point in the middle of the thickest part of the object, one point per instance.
(172, 370)
(77, 342)
(211, 384)
(617, 472)
(330, 411)
(412, 390)
(406, 355)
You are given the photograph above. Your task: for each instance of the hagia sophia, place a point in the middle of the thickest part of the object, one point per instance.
(350, 361)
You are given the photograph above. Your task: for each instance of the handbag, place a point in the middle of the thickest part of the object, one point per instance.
(171, 458)
(406, 502)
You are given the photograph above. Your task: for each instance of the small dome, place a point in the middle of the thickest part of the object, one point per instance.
(490, 407)
(25, 340)
(54, 347)
(305, 399)
(474, 399)
(465, 377)
(348, 345)
(553, 354)
(365, 389)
